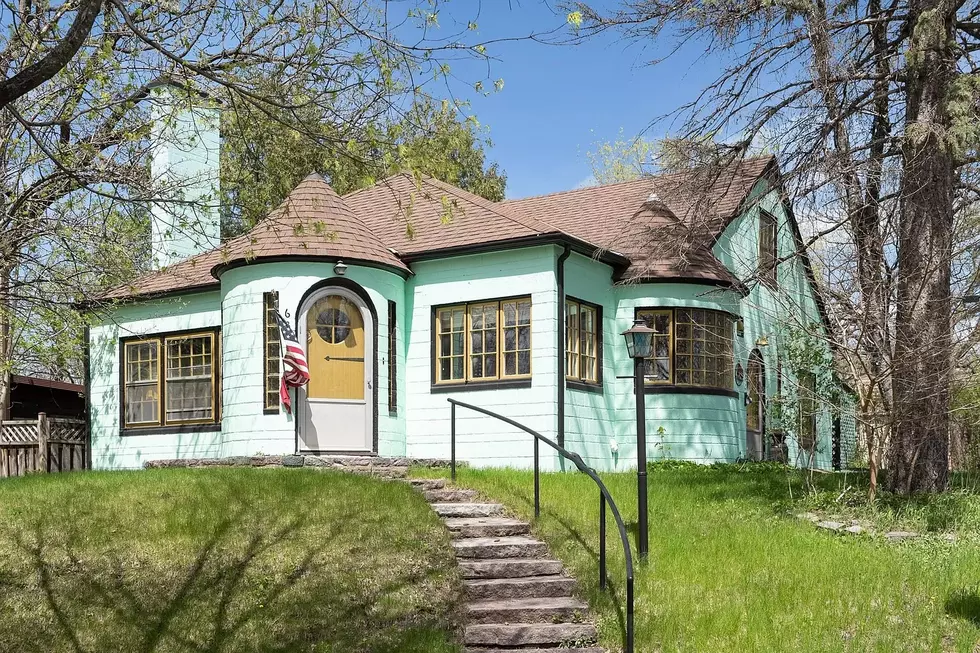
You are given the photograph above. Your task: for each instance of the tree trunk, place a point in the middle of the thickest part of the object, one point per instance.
(918, 457)
(6, 344)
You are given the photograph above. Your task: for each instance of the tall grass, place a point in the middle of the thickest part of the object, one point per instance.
(731, 570)
(222, 560)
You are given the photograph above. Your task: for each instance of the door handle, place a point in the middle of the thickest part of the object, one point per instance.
(343, 358)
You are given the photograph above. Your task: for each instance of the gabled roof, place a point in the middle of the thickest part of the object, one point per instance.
(665, 224)
(313, 221)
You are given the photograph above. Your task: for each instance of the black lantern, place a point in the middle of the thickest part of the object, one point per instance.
(639, 339)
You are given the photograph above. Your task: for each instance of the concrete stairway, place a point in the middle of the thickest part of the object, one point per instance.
(518, 598)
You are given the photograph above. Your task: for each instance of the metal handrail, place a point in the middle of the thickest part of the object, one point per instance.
(604, 497)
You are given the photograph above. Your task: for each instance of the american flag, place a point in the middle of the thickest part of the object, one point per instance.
(296, 372)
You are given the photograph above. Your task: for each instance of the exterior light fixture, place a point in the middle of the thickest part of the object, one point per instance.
(762, 342)
(340, 269)
(639, 340)
(639, 344)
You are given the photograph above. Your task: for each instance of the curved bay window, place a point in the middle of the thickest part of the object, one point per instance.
(691, 347)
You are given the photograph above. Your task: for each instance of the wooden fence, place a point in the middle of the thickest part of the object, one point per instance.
(47, 444)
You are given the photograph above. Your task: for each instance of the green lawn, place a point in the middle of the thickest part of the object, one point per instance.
(730, 570)
(223, 560)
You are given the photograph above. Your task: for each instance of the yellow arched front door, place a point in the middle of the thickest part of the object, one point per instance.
(335, 349)
(337, 402)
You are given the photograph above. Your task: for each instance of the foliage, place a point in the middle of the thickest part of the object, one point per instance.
(224, 559)
(85, 82)
(730, 569)
(622, 159)
(263, 160)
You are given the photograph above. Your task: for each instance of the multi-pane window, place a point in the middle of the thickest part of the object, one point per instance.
(691, 347)
(767, 248)
(142, 383)
(170, 380)
(190, 379)
(273, 350)
(392, 359)
(483, 341)
(582, 336)
(807, 409)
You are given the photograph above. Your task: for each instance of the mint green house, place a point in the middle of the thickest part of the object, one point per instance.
(412, 291)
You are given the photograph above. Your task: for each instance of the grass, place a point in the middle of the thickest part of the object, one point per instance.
(223, 560)
(731, 570)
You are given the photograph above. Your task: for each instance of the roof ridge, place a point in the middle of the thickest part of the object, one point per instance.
(614, 184)
(487, 204)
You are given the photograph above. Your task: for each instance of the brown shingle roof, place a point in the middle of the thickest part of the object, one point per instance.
(312, 221)
(419, 215)
(665, 224)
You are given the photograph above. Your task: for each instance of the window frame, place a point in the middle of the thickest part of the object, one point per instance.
(671, 385)
(806, 383)
(767, 266)
(468, 381)
(270, 301)
(392, 358)
(162, 425)
(576, 381)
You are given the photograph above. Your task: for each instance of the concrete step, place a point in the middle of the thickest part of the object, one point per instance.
(536, 610)
(513, 635)
(449, 495)
(467, 509)
(529, 587)
(509, 568)
(427, 483)
(486, 526)
(516, 546)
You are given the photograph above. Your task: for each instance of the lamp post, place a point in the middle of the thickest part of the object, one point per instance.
(639, 344)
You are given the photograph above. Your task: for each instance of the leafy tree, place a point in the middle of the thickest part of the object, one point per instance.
(80, 90)
(873, 109)
(263, 159)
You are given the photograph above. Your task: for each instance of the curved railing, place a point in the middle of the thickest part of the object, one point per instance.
(604, 498)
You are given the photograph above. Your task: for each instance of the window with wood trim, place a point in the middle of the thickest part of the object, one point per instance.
(691, 347)
(273, 350)
(583, 335)
(806, 403)
(768, 251)
(170, 380)
(483, 341)
(392, 359)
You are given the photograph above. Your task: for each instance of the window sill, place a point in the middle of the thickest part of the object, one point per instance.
(584, 386)
(689, 390)
(172, 428)
(480, 385)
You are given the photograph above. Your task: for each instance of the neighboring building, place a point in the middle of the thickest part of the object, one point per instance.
(30, 395)
(413, 291)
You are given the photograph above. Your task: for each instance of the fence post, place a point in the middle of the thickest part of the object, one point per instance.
(43, 431)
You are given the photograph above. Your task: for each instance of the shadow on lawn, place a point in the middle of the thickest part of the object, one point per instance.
(244, 590)
(964, 604)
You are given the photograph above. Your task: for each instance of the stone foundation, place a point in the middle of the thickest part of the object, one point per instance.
(348, 463)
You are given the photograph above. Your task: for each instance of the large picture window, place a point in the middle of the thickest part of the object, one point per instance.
(483, 341)
(170, 380)
(691, 347)
(583, 335)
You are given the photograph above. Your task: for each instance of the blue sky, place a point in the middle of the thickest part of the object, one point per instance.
(558, 100)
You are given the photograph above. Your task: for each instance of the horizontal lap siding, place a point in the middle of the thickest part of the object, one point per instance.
(702, 428)
(247, 429)
(481, 440)
(109, 450)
